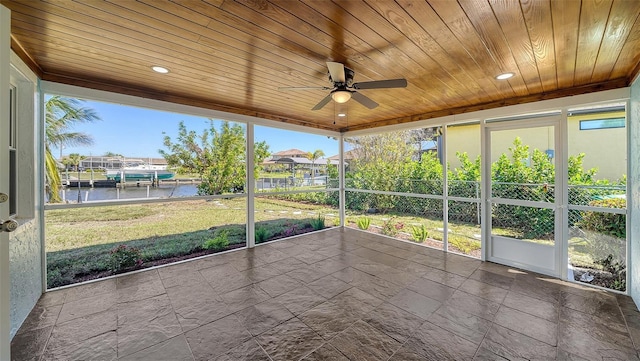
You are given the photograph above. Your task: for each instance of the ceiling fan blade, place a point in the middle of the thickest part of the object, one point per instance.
(381, 84)
(337, 71)
(363, 100)
(322, 103)
(304, 88)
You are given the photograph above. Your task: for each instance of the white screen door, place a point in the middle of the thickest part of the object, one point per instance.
(523, 194)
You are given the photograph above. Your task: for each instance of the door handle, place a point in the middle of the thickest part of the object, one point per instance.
(8, 226)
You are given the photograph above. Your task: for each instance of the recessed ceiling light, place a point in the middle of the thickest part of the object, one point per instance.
(159, 69)
(342, 115)
(504, 76)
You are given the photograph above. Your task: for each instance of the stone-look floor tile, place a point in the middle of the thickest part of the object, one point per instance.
(68, 333)
(263, 316)
(87, 306)
(328, 319)
(307, 274)
(214, 273)
(269, 255)
(461, 323)
(532, 326)
(378, 257)
(291, 340)
(415, 303)
(532, 306)
(186, 278)
(431, 342)
(136, 279)
(41, 316)
(462, 268)
(500, 269)
(413, 268)
(393, 321)
(101, 347)
(223, 284)
(288, 264)
(591, 337)
(28, 344)
(594, 304)
(356, 301)
(137, 292)
(329, 286)
(536, 288)
(177, 270)
(310, 257)
(278, 285)
(326, 352)
(567, 356)
(483, 290)
(473, 305)
(196, 305)
(333, 264)
(52, 298)
(263, 273)
(446, 278)
(175, 349)
(484, 354)
(493, 279)
(90, 290)
(362, 341)
(216, 338)
(145, 323)
(248, 351)
(245, 263)
(300, 300)
(244, 297)
(432, 289)
(368, 283)
(516, 346)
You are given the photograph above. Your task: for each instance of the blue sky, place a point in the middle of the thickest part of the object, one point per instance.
(138, 132)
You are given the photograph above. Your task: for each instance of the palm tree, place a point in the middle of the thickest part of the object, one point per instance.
(317, 154)
(61, 114)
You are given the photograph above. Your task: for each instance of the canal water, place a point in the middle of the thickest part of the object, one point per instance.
(130, 192)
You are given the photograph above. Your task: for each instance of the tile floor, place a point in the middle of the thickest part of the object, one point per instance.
(333, 295)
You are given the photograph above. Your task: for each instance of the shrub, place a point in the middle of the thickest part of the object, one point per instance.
(419, 234)
(363, 223)
(123, 258)
(220, 242)
(390, 228)
(317, 223)
(617, 269)
(611, 224)
(261, 234)
(464, 244)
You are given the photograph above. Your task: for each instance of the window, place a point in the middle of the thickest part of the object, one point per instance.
(602, 123)
(13, 192)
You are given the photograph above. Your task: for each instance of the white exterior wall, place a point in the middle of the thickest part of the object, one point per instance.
(633, 203)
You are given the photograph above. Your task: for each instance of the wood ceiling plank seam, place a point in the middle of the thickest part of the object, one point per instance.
(629, 58)
(357, 62)
(122, 42)
(511, 22)
(616, 33)
(424, 41)
(566, 22)
(537, 16)
(75, 42)
(175, 9)
(481, 15)
(560, 93)
(593, 20)
(417, 74)
(458, 24)
(451, 55)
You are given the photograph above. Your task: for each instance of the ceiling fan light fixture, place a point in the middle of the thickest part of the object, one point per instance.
(504, 76)
(160, 69)
(341, 96)
(342, 115)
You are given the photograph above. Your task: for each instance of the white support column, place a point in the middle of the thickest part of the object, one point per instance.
(341, 170)
(561, 158)
(485, 179)
(445, 191)
(250, 189)
(5, 280)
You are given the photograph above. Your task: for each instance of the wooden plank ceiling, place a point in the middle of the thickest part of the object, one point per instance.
(234, 55)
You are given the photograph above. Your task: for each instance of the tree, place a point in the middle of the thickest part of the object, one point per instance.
(74, 160)
(317, 154)
(62, 114)
(217, 155)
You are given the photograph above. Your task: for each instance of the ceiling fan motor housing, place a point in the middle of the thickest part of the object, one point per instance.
(348, 75)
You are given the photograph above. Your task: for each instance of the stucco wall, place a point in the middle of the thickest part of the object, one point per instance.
(634, 189)
(26, 272)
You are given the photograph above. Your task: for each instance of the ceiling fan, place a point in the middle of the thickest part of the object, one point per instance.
(343, 88)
